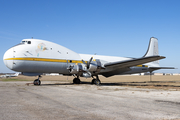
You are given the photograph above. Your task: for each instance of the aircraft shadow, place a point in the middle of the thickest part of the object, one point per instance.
(145, 83)
(65, 84)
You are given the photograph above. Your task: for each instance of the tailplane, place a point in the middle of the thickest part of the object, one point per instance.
(154, 51)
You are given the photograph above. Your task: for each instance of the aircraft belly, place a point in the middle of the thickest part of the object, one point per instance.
(137, 70)
(40, 67)
(123, 71)
(114, 72)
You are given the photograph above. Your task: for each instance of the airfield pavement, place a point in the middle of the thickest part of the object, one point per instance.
(118, 98)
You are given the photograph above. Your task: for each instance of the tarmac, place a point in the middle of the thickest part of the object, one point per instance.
(65, 101)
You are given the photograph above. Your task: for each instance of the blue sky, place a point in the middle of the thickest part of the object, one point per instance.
(105, 27)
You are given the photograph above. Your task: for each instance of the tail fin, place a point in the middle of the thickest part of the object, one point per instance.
(153, 47)
(153, 51)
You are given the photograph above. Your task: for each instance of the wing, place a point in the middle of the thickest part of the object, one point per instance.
(133, 62)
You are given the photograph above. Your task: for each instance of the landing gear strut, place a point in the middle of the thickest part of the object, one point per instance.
(37, 81)
(96, 81)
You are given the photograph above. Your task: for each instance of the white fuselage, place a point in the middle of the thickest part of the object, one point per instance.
(40, 56)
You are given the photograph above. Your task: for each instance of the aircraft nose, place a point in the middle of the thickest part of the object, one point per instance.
(8, 58)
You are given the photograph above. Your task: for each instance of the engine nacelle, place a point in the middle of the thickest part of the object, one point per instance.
(95, 66)
(75, 69)
(92, 67)
(86, 70)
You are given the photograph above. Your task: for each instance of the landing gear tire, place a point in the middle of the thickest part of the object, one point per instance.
(93, 81)
(97, 82)
(37, 82)
(76, 81)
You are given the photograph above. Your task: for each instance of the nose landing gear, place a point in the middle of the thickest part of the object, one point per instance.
(37, 81)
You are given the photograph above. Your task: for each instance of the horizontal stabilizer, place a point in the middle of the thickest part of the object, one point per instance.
(157, 68)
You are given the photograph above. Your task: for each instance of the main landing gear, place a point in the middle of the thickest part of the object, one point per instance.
(76, 80)
(37, 81)
(94, 81)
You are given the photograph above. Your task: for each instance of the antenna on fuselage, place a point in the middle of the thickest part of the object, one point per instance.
(32, 37)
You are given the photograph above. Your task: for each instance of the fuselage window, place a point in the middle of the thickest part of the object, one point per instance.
(29, 42)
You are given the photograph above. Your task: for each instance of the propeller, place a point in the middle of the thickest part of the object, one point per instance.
(88, 62)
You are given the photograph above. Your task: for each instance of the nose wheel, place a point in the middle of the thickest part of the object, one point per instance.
(37, 81)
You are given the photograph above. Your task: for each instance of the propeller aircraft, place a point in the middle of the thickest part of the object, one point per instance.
(33, 57)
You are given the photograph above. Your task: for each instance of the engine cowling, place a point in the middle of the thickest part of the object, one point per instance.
(92, 67)
(95, 66)
(75, 69)
(86, 70)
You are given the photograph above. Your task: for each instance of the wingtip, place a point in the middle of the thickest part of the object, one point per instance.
(162, 57)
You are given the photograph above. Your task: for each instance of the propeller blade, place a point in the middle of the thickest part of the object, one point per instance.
(83, 61)
(89, 62)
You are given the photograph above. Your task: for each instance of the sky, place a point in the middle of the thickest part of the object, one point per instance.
(104, 27)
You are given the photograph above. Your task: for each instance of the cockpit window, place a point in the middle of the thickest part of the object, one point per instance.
(26, 42)
(23, 42)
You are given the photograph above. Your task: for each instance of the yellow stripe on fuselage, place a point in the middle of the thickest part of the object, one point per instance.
(55, 60)
(45, 60)
(141, 66)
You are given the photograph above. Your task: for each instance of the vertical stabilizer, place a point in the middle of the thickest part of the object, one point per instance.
(153, 47)
(153, 50)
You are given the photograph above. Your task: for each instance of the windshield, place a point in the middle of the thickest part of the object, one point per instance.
(22, 43)
(26, 42)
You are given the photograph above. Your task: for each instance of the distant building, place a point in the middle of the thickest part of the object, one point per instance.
(176, 74)
(136, 74)
(167, 74)
(52, 74)
(148, 73)
(158, 73)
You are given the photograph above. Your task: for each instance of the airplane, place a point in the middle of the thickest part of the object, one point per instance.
(9, 75)
(33, 57)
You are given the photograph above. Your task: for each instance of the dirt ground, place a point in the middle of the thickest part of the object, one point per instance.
(156, 82)
(118, 98)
